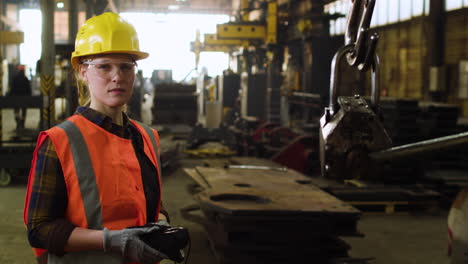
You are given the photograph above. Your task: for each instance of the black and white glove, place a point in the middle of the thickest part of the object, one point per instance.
(162, 223)
(128, 244)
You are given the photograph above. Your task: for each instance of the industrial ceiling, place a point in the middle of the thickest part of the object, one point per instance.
(159, 6)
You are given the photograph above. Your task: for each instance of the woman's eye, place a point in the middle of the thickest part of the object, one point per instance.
(103, 66)
(126, 67)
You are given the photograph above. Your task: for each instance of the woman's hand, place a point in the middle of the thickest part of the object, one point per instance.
(128, 244)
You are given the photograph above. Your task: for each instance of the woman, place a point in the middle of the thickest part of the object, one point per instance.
(98, 172)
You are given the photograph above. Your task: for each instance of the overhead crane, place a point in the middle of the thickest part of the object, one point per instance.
(233, 36)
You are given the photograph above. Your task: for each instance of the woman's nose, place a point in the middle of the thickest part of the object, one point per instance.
(116, 74)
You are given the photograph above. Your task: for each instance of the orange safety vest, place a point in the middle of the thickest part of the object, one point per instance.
(102, 174)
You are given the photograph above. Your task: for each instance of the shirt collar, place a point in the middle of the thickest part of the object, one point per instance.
(104, 121)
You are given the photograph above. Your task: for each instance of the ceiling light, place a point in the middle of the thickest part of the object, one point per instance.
(60, 4)
(173, 7)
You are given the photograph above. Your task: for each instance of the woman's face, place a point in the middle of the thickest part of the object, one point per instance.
(109, 79)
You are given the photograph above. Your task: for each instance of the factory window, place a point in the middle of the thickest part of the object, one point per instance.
(338, 26)
(61, 25)
(405, 10)
(385, 12)
(30, 21)
(418, 7)
(393, 10)
(30, 50)
(380, 16)
(455, 4)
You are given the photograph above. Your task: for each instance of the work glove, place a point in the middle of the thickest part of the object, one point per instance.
(162, 223)
(128, 244)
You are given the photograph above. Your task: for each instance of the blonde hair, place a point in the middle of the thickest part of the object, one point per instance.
(83, 92)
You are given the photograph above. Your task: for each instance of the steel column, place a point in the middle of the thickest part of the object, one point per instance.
(436, 32)
(89, 8)
(71, 90)
(1, 74)
(48, 61)
(72, 20)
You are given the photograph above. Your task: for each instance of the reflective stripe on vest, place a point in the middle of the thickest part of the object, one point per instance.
(85, 173)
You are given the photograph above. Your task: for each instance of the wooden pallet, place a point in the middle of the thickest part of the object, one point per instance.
(393, 207)
(378, 206)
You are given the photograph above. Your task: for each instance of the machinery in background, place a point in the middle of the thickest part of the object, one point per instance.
(173, 103)
(264, 38)
(161, 76)
(243, 127)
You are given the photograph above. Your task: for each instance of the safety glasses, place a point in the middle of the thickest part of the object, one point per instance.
(108, 69)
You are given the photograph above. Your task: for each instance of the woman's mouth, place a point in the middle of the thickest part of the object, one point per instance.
(117, 90)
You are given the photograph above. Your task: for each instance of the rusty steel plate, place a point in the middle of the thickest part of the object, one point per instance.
(253, 161)
(222, 162)
(249, 201)
(274, 180)
(244, 191)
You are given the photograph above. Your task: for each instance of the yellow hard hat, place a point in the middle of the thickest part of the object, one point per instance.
(106, 33)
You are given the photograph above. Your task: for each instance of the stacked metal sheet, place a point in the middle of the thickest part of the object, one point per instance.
(174, 103)
(441, 120)
(306, 107)
(400, 118)
(261, 214)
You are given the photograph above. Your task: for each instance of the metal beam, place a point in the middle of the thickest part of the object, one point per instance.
(1, 75)
(48, 60)
(421, 147)
(241, 31)
(11, 37)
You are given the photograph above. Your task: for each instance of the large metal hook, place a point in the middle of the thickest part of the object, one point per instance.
(374, 62)
(357, 32)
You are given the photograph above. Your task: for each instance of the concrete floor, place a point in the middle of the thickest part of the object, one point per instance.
(390, 239)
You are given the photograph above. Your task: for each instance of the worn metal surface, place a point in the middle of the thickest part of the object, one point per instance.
(248, 201)
(270, 215)
(240, 160)
(253, 161)
(347, 137)
(255, 167)
(254, 192)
